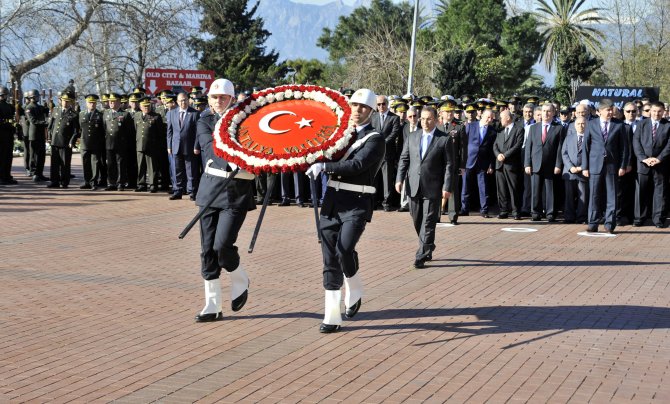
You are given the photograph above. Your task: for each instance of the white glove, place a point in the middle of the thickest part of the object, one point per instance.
(232, 166)
(314, 171)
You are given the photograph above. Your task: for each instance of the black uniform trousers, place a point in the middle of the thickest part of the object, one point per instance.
(116, 167)
(626, 196)
(425, 215)
(651, 203)
(91, 161)
(27, 164)
(218, 234)
(147, 167)
(61, 158)
(338, 245)
(576, 200)
(387, 174)
(6, 153)
(454, 203)
(538, 183)
(38, 152)
(507, 183)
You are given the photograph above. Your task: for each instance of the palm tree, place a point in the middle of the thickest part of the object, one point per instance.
(564, 25)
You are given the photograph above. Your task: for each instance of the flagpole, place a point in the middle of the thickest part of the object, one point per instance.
(410, 80)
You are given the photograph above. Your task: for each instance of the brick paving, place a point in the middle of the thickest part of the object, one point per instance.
(98, 297)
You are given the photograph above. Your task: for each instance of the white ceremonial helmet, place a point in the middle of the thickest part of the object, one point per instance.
(365, 97)
(222, 87)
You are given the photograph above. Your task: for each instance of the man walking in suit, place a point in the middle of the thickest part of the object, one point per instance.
(652, 148)
(426, 161)
(388, 124)
(481, 137)
(605, 158)
(576, 185)
(181, 145)
(543, 160)
(507, 149)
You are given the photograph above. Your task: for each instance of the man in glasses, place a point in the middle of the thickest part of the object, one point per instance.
(626, 190)
(388, 124)
(413, 124)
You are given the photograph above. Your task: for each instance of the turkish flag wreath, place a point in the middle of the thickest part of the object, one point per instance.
(285, 129)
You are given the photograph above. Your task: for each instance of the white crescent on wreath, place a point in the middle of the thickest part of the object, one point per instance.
(228, 147)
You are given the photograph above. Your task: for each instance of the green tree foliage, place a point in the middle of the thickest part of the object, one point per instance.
(350, 29)
(564, 24)
(233, 44)
(470, 23)
(505, 48)
(310, 71)
(456, 72)
(578, 63)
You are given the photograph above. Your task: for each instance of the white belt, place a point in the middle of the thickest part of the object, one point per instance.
(365, 189)
(241, 175)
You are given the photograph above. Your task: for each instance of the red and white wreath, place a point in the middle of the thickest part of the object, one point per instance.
(262, 134)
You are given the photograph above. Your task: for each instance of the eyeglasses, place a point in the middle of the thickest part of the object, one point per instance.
(411, 116)
(646, 110)
(630, 111)
(383, 103)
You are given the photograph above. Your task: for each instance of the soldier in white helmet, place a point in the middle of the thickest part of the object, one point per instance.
(347, 207)
(222, 221)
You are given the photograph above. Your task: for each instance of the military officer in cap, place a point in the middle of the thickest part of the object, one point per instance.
(347, 207)
(63, 125)
(459, 146)
(148, 144)
(7, 131)
(37, 119)
(222, 221)
(91, 141)
(119, 130)
(196, 92)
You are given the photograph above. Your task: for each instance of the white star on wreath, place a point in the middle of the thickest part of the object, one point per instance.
(304, 122)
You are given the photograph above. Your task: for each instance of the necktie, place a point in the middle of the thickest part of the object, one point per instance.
(654, 127)
(181, 118)
(544, 133)
(482, 132)
(580, 139)
(425, 142)
(381, 119)
(605, 132)
(507, 133)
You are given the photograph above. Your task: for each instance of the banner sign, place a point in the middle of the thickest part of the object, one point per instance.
(618, 95)
(173, 79)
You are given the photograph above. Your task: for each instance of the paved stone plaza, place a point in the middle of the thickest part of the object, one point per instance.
(98, 297)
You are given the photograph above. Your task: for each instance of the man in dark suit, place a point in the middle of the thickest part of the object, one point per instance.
(507, 149)
(626, 193)
(347, 208)
(388, 124)
(413, 124)
(652, 149)
(459, 146)
(221, 223)
(481, 137)
(543, 160)
(181, 144)
(426, 161)
(91, 142)
(576, 185)
(605, 158)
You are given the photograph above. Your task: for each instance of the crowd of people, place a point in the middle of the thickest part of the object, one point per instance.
(528, 157)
